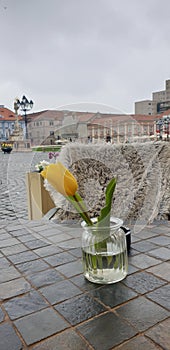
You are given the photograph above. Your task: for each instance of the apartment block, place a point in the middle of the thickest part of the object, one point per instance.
(160, 102)
(146, 107)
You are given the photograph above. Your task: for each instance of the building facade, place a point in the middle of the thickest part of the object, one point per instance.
(7, 123)
(160, 102)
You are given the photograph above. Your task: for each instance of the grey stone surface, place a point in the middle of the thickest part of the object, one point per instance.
(113, 295)
(32, 266)
(106, 331)
(44, 278)
(25, 305)
(143, 282)
(1, 315)
(68, 340)
(29, 321)
(160, 334)
(8, 273)
(162, 270)
(40, 325)
(142, 313)
(9, 339)
(73, 311)
(22, 257)
(60, 291)
(12, 288)
(161, 296)
(138, 343)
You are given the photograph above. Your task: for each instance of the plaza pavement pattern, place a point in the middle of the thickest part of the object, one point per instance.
(45, 302)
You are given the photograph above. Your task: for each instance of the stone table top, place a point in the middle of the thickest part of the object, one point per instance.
(45, 302)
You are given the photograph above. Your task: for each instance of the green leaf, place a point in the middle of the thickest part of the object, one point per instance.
(104, 218)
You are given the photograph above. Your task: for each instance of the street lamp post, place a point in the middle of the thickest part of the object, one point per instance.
(25, 106)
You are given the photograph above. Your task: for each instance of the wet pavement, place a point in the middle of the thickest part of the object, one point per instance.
(45, 302)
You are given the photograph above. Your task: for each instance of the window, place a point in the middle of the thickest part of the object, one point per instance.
(51, 123)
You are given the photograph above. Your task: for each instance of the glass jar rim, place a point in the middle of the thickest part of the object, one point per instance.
(114, 223)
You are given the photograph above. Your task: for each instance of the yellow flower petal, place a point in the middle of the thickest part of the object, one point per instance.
(61, 179)
(44, 173)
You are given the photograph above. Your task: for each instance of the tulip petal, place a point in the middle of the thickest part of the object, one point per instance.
(61, 179)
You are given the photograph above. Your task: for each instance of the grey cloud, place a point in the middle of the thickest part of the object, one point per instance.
(113, 51)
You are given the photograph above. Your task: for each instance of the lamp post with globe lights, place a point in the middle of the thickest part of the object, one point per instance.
(25, 106)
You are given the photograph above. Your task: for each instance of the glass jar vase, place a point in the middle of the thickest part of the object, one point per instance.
(104, 252)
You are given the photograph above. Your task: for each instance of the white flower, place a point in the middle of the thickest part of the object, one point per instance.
(41, 165)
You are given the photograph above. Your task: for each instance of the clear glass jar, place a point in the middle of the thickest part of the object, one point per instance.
(104, 252)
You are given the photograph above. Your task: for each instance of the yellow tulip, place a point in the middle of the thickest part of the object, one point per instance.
(61, 179)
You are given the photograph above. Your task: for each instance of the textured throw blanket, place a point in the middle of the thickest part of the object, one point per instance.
(143, 179)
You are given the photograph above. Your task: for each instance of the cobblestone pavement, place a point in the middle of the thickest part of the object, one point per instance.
(45, 302)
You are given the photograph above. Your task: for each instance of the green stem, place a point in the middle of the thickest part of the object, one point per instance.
(77, 201)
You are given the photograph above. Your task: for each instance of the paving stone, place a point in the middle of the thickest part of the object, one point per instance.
(32, 266)
(59, 238)
(17, 248)
(76, 252)
(60, 291)
(132, 269)
(23, 257)
(59, 259)
(14, 288)
(143, 261)
(70, 244)
(146, 234)
(45, 278)
(83, 283)
(162, 270)
(73, 311)
(1, 315)
(143, 282)
(143, 246)
(160, 229)
(133, 252)
(68, 340)
(8, 242)
(138, 343)
(113, 295)
(160, 240)
(161, 253)
(47, 231)
(161, 296)
(21, 232)
(5, 236)
(71, 269)
(142, 313)
(16, 228)
(40, 325)
(8, 273)
(8, 338)
(36, 243)
(135, 238)
(48, 250)
(4, 263)
(106, 331)
(160, 334)
(26, 238)
(25, 305)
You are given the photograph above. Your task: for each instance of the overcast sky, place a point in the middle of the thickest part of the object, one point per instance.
(64, 52)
